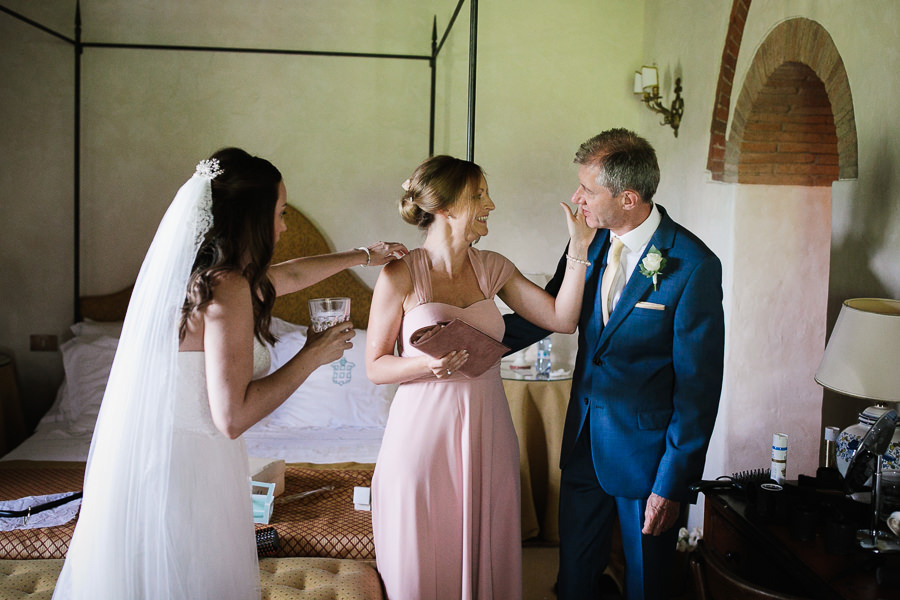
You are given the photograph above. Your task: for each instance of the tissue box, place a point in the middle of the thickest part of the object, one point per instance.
(268, 470)
(263, 503)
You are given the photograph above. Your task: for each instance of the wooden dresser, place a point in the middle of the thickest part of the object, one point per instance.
(768, 552)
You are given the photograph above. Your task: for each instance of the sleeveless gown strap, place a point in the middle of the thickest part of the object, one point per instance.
(417, 263)
(480, 274)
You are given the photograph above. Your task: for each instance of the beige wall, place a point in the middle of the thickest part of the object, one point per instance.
(36, 231)
(777, 326)
(550, 75)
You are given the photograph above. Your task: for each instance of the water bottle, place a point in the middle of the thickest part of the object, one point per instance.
(542, 361)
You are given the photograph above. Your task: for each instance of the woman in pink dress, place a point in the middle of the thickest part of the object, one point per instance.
(445, 505)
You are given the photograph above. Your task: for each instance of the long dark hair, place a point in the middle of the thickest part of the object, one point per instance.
(244, 196)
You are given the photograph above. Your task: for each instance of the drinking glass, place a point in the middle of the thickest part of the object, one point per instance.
(325, 312)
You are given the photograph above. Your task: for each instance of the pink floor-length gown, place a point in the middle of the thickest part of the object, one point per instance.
(445, 506)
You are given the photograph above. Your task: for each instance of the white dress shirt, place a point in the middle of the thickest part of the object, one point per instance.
(635, 242)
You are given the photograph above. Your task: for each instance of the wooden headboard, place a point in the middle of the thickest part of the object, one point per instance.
(301, 239)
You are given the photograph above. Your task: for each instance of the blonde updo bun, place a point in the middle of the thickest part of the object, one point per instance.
(412, 213)
(438, 184)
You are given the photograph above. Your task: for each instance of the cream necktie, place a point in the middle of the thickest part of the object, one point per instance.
(609, 277)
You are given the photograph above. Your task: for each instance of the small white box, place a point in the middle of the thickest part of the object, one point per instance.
(362, 498)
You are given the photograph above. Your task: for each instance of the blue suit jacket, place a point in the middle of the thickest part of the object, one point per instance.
(651, 379)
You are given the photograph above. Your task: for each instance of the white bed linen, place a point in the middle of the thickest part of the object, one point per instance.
(313, 445)
(337, 415)
(52, 445)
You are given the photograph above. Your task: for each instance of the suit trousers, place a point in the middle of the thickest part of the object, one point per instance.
(586, 517)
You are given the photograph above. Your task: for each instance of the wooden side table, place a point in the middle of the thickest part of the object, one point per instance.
(12, 422)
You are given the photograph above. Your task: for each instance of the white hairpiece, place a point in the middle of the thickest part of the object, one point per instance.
(405, 185)
(209, 168)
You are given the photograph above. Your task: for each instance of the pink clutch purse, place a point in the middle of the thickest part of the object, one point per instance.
(444, 337)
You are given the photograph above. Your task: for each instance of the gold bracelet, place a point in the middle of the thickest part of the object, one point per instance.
(368, 256)
(586, 263)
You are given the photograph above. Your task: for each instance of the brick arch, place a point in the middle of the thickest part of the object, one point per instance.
(715, 161)
(789, 136)
(805, 42)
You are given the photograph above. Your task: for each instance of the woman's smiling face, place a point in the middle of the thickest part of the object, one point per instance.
(480, 208)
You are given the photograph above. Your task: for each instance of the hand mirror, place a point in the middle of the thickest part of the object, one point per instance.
(873, 444)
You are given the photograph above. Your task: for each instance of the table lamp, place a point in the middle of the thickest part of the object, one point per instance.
(862, 360)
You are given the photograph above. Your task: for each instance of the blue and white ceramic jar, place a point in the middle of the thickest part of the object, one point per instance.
(849, 439)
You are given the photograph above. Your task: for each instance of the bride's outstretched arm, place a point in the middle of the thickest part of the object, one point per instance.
(235, 401)
(296, 274)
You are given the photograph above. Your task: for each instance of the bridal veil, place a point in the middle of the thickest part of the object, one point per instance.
(121, 547)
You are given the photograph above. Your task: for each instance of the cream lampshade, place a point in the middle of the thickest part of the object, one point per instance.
(862, 360)
(649, 77)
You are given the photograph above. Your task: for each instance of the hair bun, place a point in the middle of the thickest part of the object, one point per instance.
(409, 210)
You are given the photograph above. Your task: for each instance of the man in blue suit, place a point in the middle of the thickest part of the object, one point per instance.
(647, 378)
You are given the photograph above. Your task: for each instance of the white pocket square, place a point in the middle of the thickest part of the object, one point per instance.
(650, 305)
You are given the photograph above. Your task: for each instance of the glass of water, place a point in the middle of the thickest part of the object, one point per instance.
(325, 312)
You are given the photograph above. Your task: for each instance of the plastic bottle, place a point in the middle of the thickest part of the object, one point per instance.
(542, 361)
(778, 471)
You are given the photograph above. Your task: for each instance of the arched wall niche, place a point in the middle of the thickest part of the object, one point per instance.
(797, 53)
(789, 137)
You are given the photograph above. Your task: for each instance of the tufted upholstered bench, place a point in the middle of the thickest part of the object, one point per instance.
(281, 578)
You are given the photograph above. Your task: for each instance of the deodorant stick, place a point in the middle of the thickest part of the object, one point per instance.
(778, 470)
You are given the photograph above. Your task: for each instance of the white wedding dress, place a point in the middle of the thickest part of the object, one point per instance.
(212, 516)
(212, 545)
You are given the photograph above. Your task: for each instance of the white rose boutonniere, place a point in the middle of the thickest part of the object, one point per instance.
(652, 265)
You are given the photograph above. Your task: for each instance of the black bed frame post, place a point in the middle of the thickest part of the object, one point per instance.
(473, 53)
(76, 187)
(433, 64)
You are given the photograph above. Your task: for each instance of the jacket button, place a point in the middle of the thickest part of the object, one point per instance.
(586, 401)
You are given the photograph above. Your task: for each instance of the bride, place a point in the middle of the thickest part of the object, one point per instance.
(166, 512)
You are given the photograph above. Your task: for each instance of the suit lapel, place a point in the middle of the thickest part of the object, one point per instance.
(593, 276)
(638, 285)
(597, 253)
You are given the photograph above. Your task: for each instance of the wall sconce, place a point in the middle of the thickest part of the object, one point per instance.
(646, 83)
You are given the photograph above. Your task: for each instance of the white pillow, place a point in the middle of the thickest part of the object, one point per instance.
(334, 395)
(87, 362)
(97, 328)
